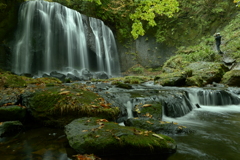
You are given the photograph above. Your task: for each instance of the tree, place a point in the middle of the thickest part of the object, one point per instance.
(147, 10)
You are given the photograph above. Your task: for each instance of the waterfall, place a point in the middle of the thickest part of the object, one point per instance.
(52, 37)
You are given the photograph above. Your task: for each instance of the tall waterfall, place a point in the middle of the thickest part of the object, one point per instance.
(52, 37)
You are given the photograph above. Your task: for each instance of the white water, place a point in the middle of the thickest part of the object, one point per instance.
(52, 37)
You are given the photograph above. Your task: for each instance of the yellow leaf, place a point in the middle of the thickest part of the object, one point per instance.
(149, 122)
(146, 105)
(64, 92)
(158, 136)
(84, 130)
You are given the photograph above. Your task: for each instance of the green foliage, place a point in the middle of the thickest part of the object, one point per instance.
(147, 10)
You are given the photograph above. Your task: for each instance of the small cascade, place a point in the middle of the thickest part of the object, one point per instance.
(51, 37)
(129, 108)
(217, 98)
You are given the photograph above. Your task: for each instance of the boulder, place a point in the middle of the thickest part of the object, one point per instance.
(10, 128)
(12, 113)
(73, 77)
(58, 106)
(177, 78)
(92, 135)
(232, 78)
(58, 75)
(204, 73)
(160, 127)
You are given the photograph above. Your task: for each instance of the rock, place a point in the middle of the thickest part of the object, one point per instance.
(73, 77)
(160, 127)
(57, 75)
(45, 75)
(12, 113)
(149, 110)
(98, 136)
(86, 74)
(58, 106)
(101, 75)
(171, 79)
(204, 73)
(10, 128)
(232, 78)
(27, 75)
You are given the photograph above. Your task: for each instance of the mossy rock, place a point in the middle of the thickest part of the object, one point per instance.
(149, 110)
(176, 78)
(231, 78)
(8, 79)
(157, 126)
(204, 73)
(57, 106)
(12, 113)
(103, 138)
(10, 128)
(122, 85)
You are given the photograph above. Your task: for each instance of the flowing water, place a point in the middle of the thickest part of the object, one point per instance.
(217, 135)
(52, 37)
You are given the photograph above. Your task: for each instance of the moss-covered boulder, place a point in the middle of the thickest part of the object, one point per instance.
(12, 113)
(176, 78)
(232, 78)
(205, 73)
(10, 128)
(103, 138)
(57, 106)
(157, 126)
(8, 79)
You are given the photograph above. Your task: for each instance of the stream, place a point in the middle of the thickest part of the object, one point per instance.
(216, 137)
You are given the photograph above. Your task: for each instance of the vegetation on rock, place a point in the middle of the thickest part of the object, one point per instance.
(98, 136)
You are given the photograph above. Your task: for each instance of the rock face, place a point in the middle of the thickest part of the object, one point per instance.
(145, 51)
(98, 136)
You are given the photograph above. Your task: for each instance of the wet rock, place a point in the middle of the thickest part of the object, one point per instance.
(73, 77)
(27, 75)
(160, 127)
(10, 128)
(12, 113)
(86, 74)
(58, 75)
(103, 138)
(101, 75)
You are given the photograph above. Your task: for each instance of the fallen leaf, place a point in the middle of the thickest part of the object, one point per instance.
(64, 92)
(158, 136)
(146, 105)
(84, 130)
(149, 122)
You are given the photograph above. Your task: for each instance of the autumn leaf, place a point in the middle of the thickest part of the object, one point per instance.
(146, 105)
(84, 130)
(64, 92)
(158, 136)
(149, 122)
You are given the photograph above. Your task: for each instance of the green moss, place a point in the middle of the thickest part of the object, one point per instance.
(108, 138)
(10, 80)
(61, 105)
